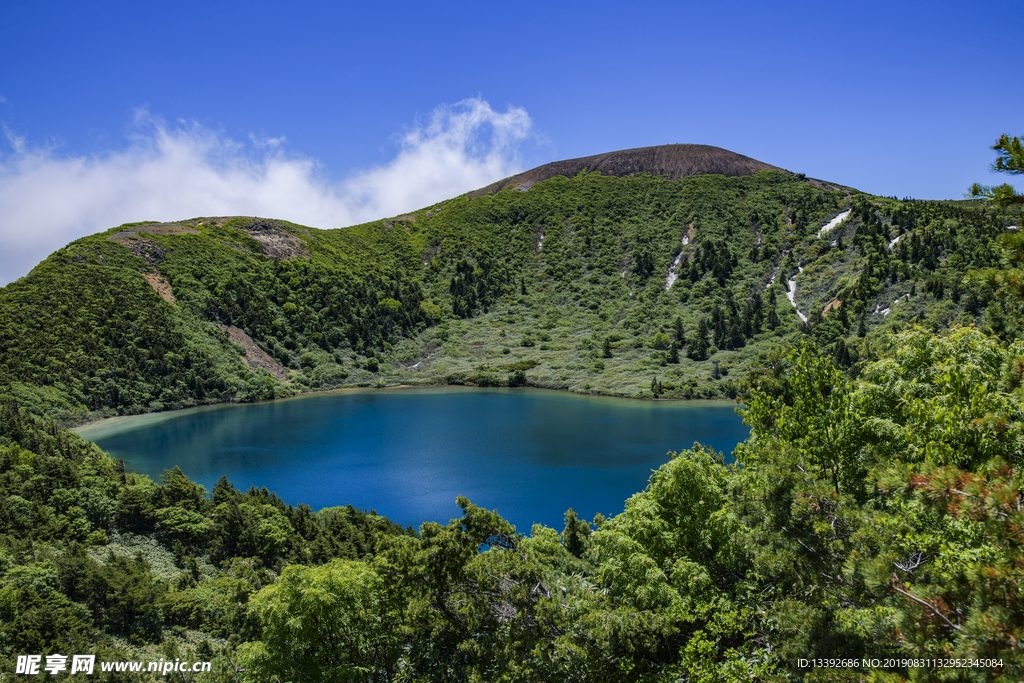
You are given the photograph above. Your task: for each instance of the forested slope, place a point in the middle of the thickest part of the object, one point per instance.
(633, 286)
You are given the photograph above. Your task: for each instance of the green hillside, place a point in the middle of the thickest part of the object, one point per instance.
(561, 286)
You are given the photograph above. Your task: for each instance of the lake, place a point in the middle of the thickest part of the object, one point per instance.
(407, 453)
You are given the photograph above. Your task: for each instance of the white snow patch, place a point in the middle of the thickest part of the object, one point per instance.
(673, 275)
(834, 222)
(791, 295)
(887, 311)
(895, 241)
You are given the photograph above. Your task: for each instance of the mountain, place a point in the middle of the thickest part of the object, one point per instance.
(672, 161)
(874, 522)
(643, 282)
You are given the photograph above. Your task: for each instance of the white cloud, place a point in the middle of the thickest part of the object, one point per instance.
(167, 172)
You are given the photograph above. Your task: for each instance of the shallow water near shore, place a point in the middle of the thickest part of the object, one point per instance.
(528, 453)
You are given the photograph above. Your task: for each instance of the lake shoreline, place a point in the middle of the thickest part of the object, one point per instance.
(110, 419)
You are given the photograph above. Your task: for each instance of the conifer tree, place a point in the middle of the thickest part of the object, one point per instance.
(699, 345)
(1010, 160)
(574, 536)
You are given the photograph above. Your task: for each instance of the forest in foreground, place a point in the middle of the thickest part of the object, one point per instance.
(872, 520)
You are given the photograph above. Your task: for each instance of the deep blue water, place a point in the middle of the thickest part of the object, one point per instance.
(530, 454)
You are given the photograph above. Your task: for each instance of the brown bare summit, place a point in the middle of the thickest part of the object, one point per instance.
(672, 161)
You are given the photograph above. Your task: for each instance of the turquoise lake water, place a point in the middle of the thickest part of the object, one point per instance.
(407, 453)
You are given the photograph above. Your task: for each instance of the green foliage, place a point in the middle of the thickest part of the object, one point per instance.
(327, 623)
(59, 494)
(934, 436)
(576, 534)
(813, 413)
(1010, 160)
(943, 399)
(971, 608)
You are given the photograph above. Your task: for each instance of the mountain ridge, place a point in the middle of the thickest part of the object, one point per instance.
(675, 161)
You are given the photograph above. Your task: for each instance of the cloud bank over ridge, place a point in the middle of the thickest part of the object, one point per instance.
(174, 172)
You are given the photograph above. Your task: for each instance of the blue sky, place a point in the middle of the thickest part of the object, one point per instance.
(334, 113)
